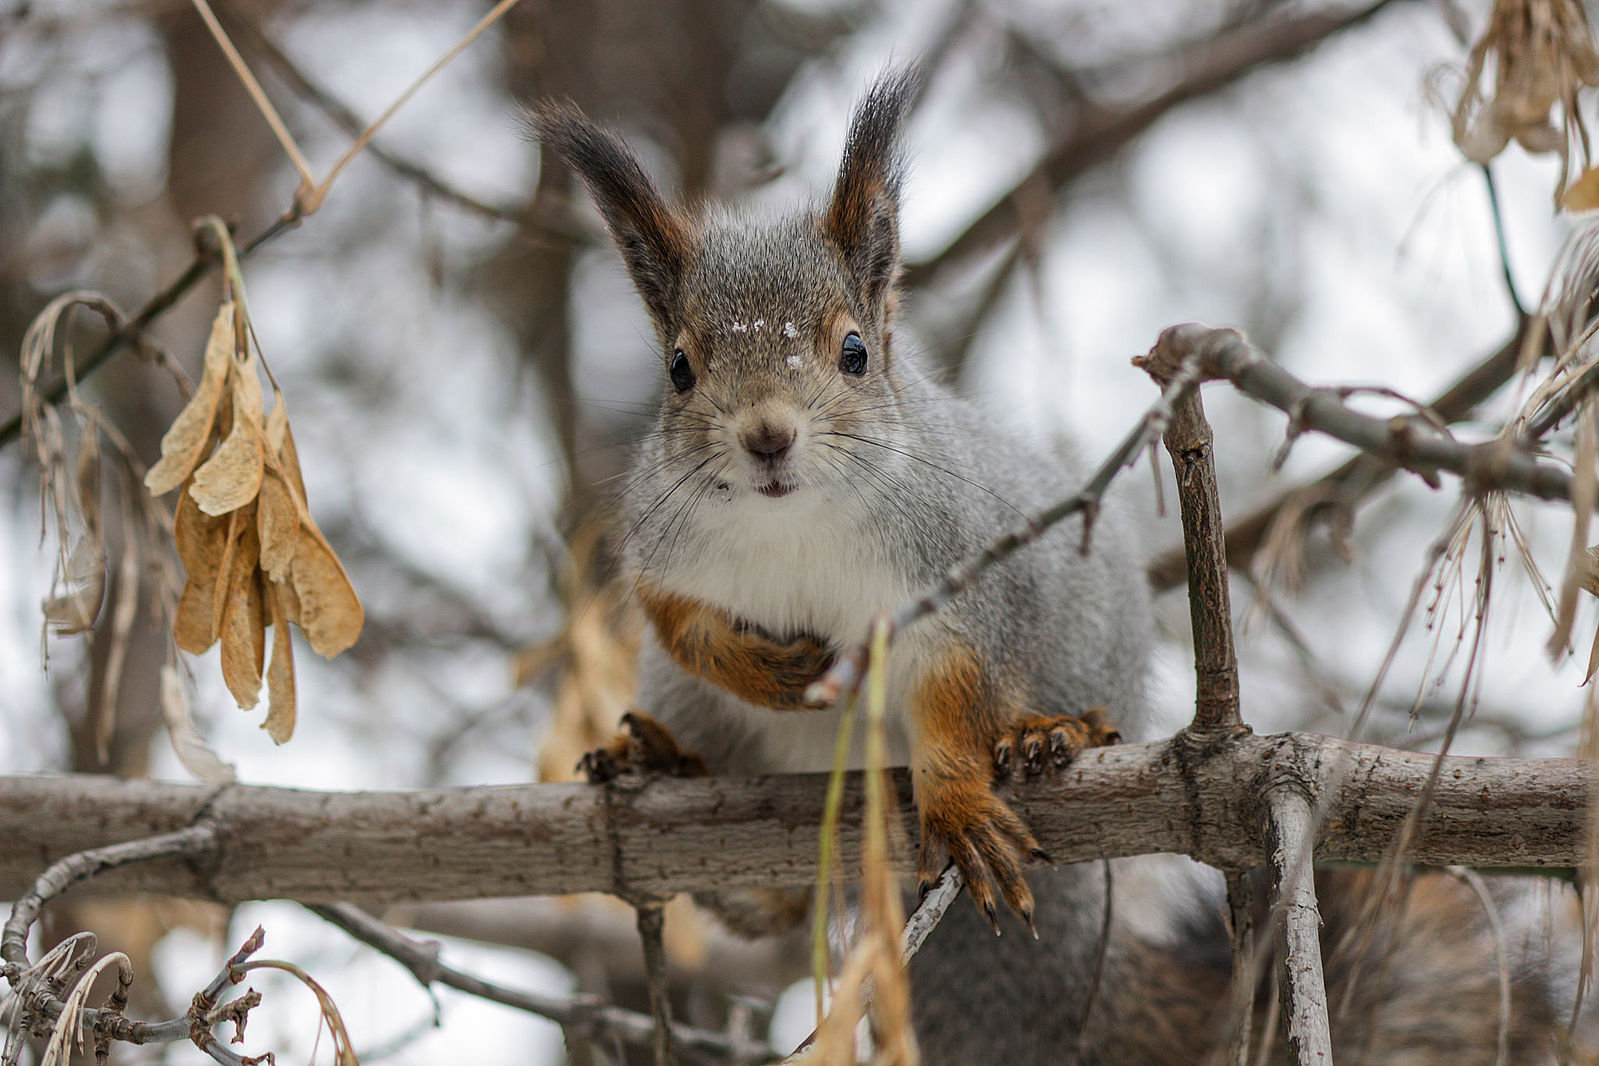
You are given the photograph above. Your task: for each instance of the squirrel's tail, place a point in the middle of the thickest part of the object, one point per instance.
(1415, 979)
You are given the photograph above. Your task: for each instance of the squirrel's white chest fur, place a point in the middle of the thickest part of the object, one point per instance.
(801, 564)
(808, 564)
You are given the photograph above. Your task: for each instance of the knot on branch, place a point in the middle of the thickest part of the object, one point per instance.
(1177, 345)
(1290, 767)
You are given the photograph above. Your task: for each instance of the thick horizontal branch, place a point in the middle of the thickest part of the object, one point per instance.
(671, 835)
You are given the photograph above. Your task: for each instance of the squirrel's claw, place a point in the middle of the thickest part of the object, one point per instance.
(985, 839)
(1051, 743)
(644, 746)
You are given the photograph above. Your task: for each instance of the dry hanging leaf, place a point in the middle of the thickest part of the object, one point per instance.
(1590, 574)
(202, 543)
(280, 675)
(232, 476)
(75, 610)
(192, 750)
(280, 446)
(330, 615)
(278, 523)
(243, 635)
(185, 441)
(253, 555)
(1582, 194)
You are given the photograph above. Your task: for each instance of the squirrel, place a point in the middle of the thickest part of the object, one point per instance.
(805, 475)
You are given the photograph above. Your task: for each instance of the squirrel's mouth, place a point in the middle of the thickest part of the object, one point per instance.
(775, 489)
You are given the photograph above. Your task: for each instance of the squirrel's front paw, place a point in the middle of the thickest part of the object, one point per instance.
(966, 823)
(1043, 743)
(643, 746)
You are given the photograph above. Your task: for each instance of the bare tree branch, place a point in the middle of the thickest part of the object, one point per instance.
(580, 1017)
(1207, 67)
(1192, 447)
(1298, 922)
(1357, 478)
(677, 835)
(1407, 442)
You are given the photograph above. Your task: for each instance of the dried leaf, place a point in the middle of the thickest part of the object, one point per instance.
(75, 610)
(232, 476)
(280, 439)
(88, 476)
(278, 522)
(202, 543)
(243, 636)
(1582, 194)
(122, 616)
(280, 676)
(192, 750)
(1590, 573)
(329, 612)
(186, 440)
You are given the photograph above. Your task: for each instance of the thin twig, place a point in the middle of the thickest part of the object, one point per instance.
(584, 1017)
(1503, 245)
(1356, 479)
(207, 256)
(400, 101)
(1246, 963)
(557, 218)
(651, 928)
(1209, 66)
(846, 673)
(1299, 930)
(38, 999)
(925, 918)
(1192, 447)
(257, 96)
(1497, 464)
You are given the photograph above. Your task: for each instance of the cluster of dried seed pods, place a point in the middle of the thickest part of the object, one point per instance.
(253, 556)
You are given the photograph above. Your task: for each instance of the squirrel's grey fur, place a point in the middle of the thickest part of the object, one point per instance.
(890, 479)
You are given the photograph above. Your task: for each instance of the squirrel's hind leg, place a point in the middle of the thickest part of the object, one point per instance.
(967, 726)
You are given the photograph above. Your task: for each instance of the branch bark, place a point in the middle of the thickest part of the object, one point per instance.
(667, 836)
(1304, 988)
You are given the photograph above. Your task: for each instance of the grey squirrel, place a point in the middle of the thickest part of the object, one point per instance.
(805, 475)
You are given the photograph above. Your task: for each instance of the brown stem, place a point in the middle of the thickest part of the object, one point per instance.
(1192, 447)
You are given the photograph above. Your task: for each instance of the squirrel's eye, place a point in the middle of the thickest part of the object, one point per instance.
(682, 373)
(852, 360)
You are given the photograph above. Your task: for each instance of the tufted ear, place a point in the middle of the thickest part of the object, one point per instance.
(862, 218)
(654, 240)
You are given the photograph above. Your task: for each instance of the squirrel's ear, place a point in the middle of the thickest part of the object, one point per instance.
(654, 241)
(862, 218)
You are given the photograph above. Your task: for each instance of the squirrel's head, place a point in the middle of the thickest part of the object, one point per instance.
(774, 335)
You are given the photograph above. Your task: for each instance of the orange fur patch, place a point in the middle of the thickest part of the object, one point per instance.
(707, 642)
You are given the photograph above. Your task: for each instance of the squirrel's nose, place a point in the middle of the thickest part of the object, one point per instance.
(769, 442)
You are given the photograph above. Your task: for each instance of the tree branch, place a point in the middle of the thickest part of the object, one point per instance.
(1192, 447)
(1414, 445)
(1210, 66)
(674, 835)
(1361, 475)
(584, 1017)
(1298, 923)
